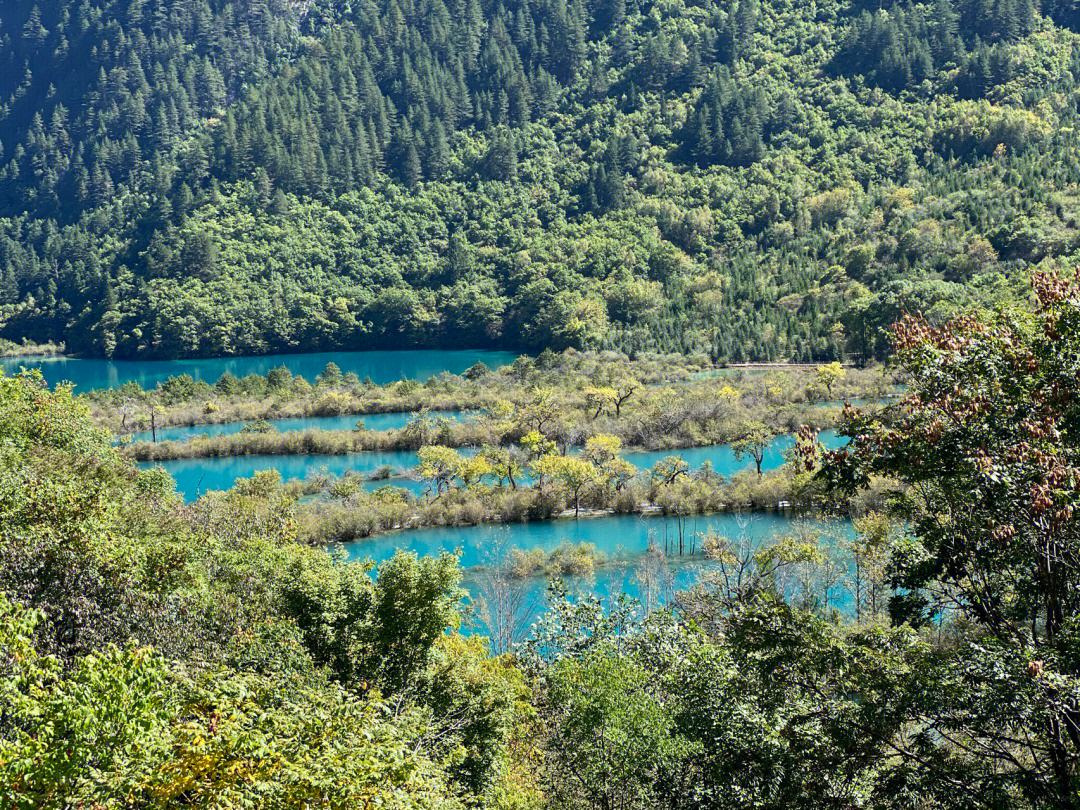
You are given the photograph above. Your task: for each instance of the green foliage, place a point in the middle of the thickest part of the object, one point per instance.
(277, 673)
(734, 179)
(752, 443)
(124, 727)
(571, 473)
(746, 709)
(985, 446)
(623, 736)
(153, 654)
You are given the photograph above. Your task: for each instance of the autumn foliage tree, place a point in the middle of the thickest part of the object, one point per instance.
(986, 447)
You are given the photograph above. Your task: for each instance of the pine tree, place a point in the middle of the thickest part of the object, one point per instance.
(411, 170)
(438, 152)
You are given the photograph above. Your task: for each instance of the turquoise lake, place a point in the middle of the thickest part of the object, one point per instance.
(622, 539)
(380, 366)
(372, 421)
(195, 476)
(618, 537)
(722, 458)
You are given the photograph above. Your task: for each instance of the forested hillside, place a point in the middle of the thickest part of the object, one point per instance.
(753, 179)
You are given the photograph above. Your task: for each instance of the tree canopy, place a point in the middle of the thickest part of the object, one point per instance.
(753, 180)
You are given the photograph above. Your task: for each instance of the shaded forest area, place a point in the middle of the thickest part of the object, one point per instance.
(752, 180)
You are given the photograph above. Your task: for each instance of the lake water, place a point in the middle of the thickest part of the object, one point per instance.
(380, 366)
(372, 421)
(195, 476)
(722, 458)
(623, 540)
(618, 537)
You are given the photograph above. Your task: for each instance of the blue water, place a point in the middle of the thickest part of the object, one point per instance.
(622, 539)
(195, 476)
(372, 421)
(380, 366)
(722, 458)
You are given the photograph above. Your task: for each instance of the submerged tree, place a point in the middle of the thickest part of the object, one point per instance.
(753, 442)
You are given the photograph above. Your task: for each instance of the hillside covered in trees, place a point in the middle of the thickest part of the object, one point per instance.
(748, 178)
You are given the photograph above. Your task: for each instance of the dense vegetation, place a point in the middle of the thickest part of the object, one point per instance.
(155, 655)
(650, 402)
(539, 437)
(753, 179)
(256, 690)
(543, 437)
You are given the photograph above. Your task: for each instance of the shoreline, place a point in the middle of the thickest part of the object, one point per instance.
(316, 441)
(34, 351)
(647, 511)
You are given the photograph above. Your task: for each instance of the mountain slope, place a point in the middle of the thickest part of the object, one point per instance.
(750, 179)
